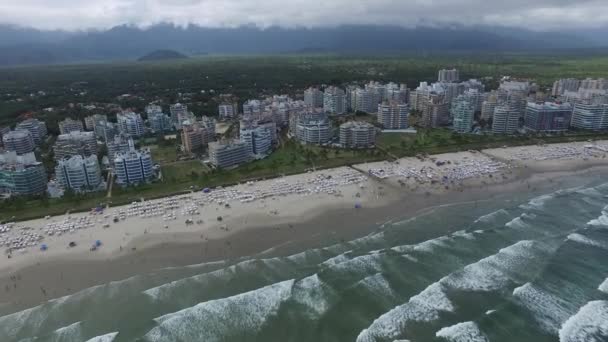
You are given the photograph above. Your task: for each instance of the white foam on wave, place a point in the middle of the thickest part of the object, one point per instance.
(538, 202)
(601, 221)
(497, 271)
(336, 260)
(604, 286)
(377, 285)
(70, 333)
(548, 311)
(315, 295)
(104, 338)
(427, 246)
(215, 320)
(424, 307)
(589, 324)
(464, 234)
(575, 237)
(462, 332)
(368, 263)
(488, 218)
(517, 223)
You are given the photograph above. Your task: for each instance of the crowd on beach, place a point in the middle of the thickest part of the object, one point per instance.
(443, 170)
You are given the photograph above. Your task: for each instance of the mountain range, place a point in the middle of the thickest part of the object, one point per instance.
(20, 46)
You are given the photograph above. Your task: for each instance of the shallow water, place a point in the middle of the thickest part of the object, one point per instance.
(511, 269)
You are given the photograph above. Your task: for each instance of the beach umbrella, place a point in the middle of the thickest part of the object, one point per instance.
(44, 247)
(206, 190)
(98, 243)
(357, 206)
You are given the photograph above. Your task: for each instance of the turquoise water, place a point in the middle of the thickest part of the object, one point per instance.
(516, 269)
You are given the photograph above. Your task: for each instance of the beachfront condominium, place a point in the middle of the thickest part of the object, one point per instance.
(160, 122)
(488, 106)
(196, 135)
(334, 101)
(133, 166)
(313, 129)
(547, 117)
(505, 120)
(75, 143)
(91, 120)
(594, 84)
(69, 125)
(80, 174)
(21, 175)
(179, 114)
(313, 97)
(448, 76)
(105, 130)
(393, 115)
(228, 154)
(257, 138)
(228, 111)
(36, 128)
(20, 142)
(131, 124)
(560, 87)
(365, 100)
(120, 143)
(397, 93)
(357, 134)
(253, 109)
(590, 116)
(463, 112)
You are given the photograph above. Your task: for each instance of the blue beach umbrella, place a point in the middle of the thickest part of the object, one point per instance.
(97, 243)
(44, 247)
(206, 190)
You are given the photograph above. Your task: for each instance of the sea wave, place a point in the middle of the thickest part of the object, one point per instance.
(314, 296)
(462, 332)
(590, 324)
(239, 315)
(604, 286)
(424, 307)
(104, 338)
(548, 310)
(579, 238)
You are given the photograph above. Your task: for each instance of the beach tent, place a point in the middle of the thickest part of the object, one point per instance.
(44, 247)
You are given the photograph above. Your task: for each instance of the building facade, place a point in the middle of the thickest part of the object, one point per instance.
(36, 128)
(357, 134)
(448, 76)
(224, 155)
(79, 174)
(463, 112)
(505, 120)
(560, 87)
(133, 166)
(20, 142)
(547, 117)
(91, 121)
(393, 115)
(334, 101)
(68, 125)
(313, 129)
(131, 124)
(75, 143)
(258, 140)
(313, 97)
(590, 116)
(21, 175)
(228, 111)
(179, 114)
(160, 122)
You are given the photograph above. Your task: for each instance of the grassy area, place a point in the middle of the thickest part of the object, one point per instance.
(164, 153)
(181, 172)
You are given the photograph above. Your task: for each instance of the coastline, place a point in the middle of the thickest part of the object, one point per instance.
(316, 222)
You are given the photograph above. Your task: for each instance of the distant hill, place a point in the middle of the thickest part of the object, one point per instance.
(161, 55)
(27, 46)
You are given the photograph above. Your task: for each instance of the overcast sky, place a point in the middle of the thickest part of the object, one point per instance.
(100, 14)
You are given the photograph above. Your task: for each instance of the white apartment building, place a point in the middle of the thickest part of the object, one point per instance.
(393, 115)
(133, 166)
(131, 124)
(68, 125)
(20, 142)
(448, 76)
(505, 120)
(463, 112)
(334, 101)
(357, 134)
(313, 97)
(79, 174)
(229, 154)
(590, 116)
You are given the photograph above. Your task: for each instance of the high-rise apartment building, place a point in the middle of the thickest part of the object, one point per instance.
(79, 174)
(75, 143)
(560, 87)
(36, 128)
(548, 117)
(313, 97)
(590, 116)
(21, 175)
(393, 115)
(463, 112)
(133, 166)
(357, 134)
(68, 125)
(448, 76)
(229, 154)
(334, 101)
(20, 142)
(505, 120)
(131, 124)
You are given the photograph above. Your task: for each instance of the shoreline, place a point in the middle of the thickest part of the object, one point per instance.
(311, 210)
(65, 276)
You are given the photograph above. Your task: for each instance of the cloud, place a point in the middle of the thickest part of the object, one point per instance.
(101, 14)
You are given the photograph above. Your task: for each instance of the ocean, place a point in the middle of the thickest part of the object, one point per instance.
(515, 268)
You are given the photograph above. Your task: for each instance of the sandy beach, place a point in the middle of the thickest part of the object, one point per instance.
(277, 216)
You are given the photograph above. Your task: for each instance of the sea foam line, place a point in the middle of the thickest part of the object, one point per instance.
(462, 332)
(214, 320)
(589, 324)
